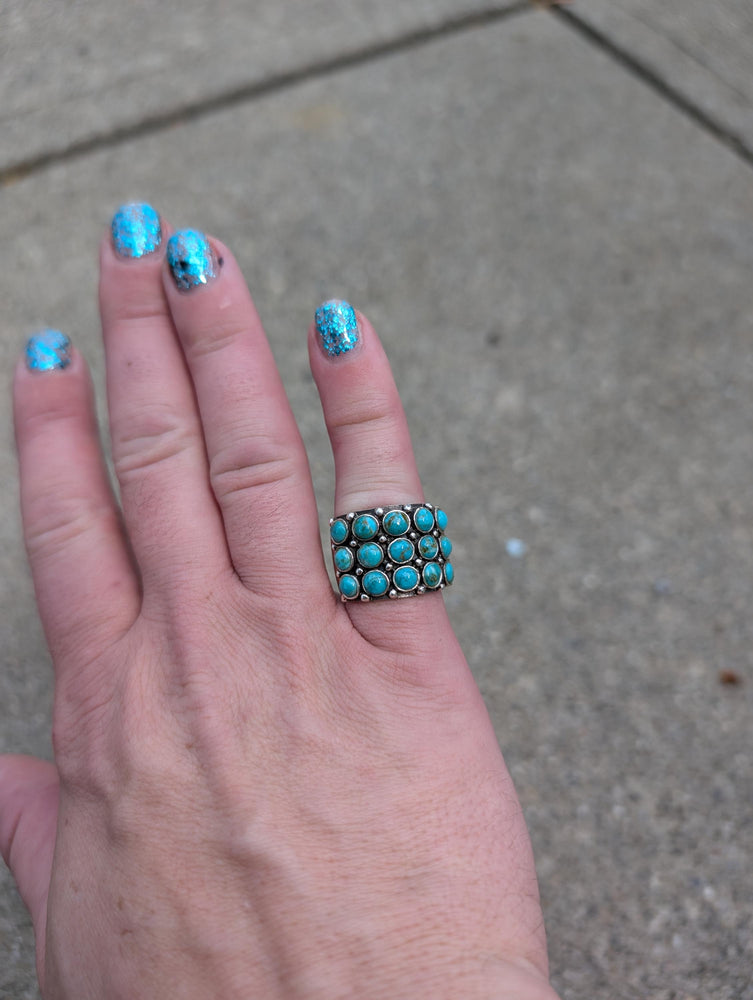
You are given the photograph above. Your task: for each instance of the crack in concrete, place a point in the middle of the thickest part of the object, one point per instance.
(737, 143)
(661, 31)
(259, 89)
(422, 36)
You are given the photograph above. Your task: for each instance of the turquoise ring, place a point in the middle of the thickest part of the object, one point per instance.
(393, 551)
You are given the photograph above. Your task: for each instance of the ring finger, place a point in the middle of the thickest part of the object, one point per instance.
(375, 465)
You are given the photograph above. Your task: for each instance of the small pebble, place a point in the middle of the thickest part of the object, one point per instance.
(729, 678)
(516, 548)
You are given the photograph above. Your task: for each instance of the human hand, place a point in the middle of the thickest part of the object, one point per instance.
(258, 791)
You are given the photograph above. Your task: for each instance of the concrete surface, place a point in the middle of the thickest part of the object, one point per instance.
(572, 254)
(77, 72)
(702, 51)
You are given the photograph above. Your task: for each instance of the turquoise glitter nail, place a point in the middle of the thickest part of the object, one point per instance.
(191, 258)
(136, 230)
(337, 327)
(48, 350)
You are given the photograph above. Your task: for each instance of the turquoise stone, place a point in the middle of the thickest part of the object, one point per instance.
(370, 555)
(449, 572)
(428, 547)
(401, 550)
(423, 519)
(396, 522)
(365, 527)
(406, 578)
(339, 531)
(375, 583)
(348, 587)
(446, 546)
(344, 559)
(441, 520)
(432, 575)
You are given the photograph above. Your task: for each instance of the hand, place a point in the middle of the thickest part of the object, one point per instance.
(258, 791)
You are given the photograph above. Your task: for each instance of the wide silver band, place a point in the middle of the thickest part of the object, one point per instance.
(392, 551)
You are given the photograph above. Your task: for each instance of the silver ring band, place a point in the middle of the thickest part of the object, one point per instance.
(392, 551)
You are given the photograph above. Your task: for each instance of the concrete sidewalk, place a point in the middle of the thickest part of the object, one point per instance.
(555, 209)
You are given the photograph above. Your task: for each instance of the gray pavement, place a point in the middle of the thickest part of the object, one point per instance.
(703, 52)
(74, 75)
(556, 247)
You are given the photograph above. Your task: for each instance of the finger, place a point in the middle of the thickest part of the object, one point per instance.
(28, 818)
(258, 466)
(157, 442)
(86, 588)
(374, 460)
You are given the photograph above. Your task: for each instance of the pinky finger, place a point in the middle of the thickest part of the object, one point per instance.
(86, 588)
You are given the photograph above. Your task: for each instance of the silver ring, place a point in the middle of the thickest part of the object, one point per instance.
(393, 551)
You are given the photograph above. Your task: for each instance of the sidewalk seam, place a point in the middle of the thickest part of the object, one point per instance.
(253, 91)
(660, 86)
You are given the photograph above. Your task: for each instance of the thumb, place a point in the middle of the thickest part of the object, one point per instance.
(28, 820)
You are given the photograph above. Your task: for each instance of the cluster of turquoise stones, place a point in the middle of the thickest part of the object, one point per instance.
(392, 551)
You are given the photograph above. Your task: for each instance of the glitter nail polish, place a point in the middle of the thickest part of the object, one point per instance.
(48, 350)
(191, 258)
(136, 230)
(337, 327)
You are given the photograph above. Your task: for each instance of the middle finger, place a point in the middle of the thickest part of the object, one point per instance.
(258, 467)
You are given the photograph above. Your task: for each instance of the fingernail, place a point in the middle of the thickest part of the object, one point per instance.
(48, 350)
(191, 258)
(337, 327)
(136, 230)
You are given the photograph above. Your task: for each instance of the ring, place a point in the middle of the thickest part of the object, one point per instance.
(398, 550)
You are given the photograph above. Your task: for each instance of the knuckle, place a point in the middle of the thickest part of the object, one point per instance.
(201, 342)
(82, 719)
(372, 414)
(157, 438)
(54, 409)
(106, 730)
(373, 435)
(371, 403)
(52, 527)
(250, 467)
(139, 309)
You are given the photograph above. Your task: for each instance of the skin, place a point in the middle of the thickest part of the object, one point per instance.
(258, 792)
